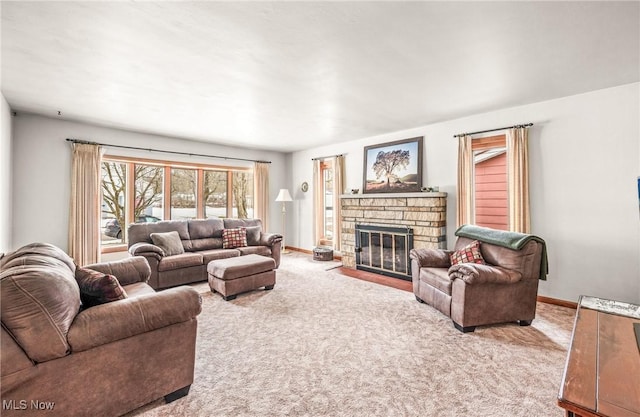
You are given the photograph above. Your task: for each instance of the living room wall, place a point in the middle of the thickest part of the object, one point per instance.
(5, 177)
(584, 161)
(42, 170)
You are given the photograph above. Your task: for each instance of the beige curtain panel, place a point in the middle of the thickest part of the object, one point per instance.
(518, 177)
(338, 189)
(261, 192)
(84, 218)
(464, 191)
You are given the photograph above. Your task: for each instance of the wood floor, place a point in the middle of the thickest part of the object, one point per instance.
(378, 279)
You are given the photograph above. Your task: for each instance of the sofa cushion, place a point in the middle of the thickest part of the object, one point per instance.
(234, 238)
(235, 223)
(98, 287)
(169, 242)
(184, 260)
(141, 232)
(253, 235)
(258, 250)
(204, 234)
(40, 299)
(468, 254)
(212, 255)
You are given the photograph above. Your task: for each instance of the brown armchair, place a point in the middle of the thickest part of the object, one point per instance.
(104, 360)
(502, 290)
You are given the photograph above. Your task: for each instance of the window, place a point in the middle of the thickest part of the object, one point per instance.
(490, 182)
(183, 194)
(135, 190)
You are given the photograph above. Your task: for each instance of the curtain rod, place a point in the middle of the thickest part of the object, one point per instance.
(86, 142)
(493, 130)
(325, 157)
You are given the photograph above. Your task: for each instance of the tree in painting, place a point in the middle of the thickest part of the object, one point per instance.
(388, 162)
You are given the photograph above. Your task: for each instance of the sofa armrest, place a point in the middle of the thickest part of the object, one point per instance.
(435, 258)
(269, 239)
(483, 274)
(146, 249)
(118, 320)
(127, 271)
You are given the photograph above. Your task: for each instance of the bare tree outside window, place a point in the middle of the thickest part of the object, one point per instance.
(243, 194)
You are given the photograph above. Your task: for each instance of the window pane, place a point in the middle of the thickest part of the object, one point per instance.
(490, 188)
(215, 194)
(113, 202)
(242, 195)
(183, 193)
(328, 203)
(149, 193)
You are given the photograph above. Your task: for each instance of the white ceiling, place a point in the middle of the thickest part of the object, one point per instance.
(287, 76)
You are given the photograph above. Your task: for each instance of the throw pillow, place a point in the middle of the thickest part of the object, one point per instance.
(169, 242)
(234, 238)
(253, 235)
(98, 288)
(468, 254)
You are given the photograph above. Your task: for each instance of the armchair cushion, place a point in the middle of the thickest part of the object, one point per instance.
(98, 288)
(478, 274)
(468, 254)
(169, 242)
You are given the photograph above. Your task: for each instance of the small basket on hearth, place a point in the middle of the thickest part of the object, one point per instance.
(322, 254)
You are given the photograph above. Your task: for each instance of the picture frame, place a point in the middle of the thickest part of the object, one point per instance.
(393, 167)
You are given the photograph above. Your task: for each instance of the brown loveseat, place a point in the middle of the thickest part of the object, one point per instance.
(201, 242)
(59, 359)
(502, 290)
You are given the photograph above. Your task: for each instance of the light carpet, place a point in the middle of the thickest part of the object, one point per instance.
(323, 344)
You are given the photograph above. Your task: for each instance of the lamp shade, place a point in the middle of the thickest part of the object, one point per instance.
(284, 195)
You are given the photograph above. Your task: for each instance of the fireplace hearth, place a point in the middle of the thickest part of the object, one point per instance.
(384, 250)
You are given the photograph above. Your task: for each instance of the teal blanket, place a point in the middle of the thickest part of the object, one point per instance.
(511, 240)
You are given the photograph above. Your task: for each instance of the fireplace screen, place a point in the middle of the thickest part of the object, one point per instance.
(384, 250)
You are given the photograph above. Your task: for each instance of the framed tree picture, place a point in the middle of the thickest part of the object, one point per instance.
(393, 167)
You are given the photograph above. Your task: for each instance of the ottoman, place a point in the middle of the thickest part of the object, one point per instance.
(232, 276)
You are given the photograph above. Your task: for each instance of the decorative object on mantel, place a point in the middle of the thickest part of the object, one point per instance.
(355, 190)
(304, 187)
(430, 189)
(284, 196)
(393, 167)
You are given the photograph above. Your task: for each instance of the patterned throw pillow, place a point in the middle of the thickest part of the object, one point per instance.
(234, 238)
(98, 288)
(468, 254)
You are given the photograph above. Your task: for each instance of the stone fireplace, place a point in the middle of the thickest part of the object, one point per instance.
(423, 213)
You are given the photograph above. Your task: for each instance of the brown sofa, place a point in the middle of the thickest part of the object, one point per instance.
(58, 359)
(202, 243)
(503, 290)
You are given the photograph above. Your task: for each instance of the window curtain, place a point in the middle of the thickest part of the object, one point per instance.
(317, 202)
(518, 180)
(261, 193)
(464, 191)
(338, 188)
(84, 218)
